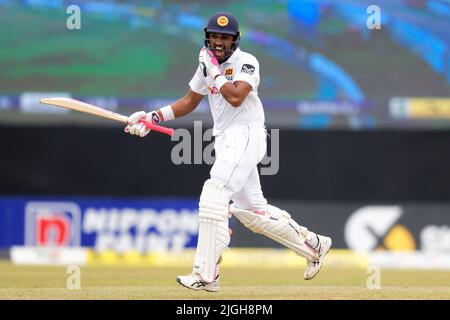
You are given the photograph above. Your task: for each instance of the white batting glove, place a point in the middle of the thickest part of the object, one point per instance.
(208, 63)
(139, 129)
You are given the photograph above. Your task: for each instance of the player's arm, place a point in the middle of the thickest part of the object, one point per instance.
(186, 105)
(180, 108)
(236, 92)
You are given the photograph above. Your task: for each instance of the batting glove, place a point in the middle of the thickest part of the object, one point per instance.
(137, 128)
(208, 63)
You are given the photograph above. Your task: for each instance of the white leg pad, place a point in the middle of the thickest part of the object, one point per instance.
(278, 225)
(213, 236)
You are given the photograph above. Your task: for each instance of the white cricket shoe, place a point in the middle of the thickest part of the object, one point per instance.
(314, 267)
(194, 282)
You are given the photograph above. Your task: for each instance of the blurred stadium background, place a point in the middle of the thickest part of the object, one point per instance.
(364, 119)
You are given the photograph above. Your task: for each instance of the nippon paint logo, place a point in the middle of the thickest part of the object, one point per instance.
(141, 230)
(52, 224)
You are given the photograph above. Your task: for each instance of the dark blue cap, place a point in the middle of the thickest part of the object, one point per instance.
(223, 22)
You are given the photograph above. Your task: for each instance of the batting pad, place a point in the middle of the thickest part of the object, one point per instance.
(213, 236)
(278, 225)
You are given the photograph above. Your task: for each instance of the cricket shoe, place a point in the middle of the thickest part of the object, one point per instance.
(195, 282)
(314, 267)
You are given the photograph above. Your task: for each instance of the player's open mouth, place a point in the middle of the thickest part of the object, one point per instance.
(219, 51)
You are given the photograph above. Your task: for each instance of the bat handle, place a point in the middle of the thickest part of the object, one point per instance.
(158, 128)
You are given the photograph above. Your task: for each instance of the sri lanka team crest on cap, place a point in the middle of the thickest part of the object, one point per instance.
(222, 21)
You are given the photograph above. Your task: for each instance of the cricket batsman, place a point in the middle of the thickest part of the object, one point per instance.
(230, 79)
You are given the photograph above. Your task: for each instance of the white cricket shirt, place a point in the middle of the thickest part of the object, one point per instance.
(241, 66)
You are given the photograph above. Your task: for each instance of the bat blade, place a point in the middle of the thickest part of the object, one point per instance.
(80, 106)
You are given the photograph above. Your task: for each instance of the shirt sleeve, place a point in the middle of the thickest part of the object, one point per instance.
(248, 71)
(198, 83)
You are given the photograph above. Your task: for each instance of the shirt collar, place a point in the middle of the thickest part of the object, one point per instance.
(233, 57)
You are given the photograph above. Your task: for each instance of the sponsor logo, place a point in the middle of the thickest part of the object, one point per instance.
(222, 21)
(229, 71)
(377, 228)
(420, 108)
(155, 117)
(248, 68)
(435, 238)
(213, 90)
(52, 224)
(140, 230)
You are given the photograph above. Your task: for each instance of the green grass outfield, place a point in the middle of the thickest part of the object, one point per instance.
(138, 282)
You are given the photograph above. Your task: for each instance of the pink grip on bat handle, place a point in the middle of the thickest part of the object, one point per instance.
(158, 128)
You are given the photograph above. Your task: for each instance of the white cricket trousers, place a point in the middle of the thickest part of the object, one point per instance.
(238, 151)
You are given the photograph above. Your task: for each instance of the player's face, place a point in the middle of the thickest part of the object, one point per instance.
(220, 44)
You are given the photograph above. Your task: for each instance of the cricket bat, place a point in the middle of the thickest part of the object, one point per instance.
(100, 112)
